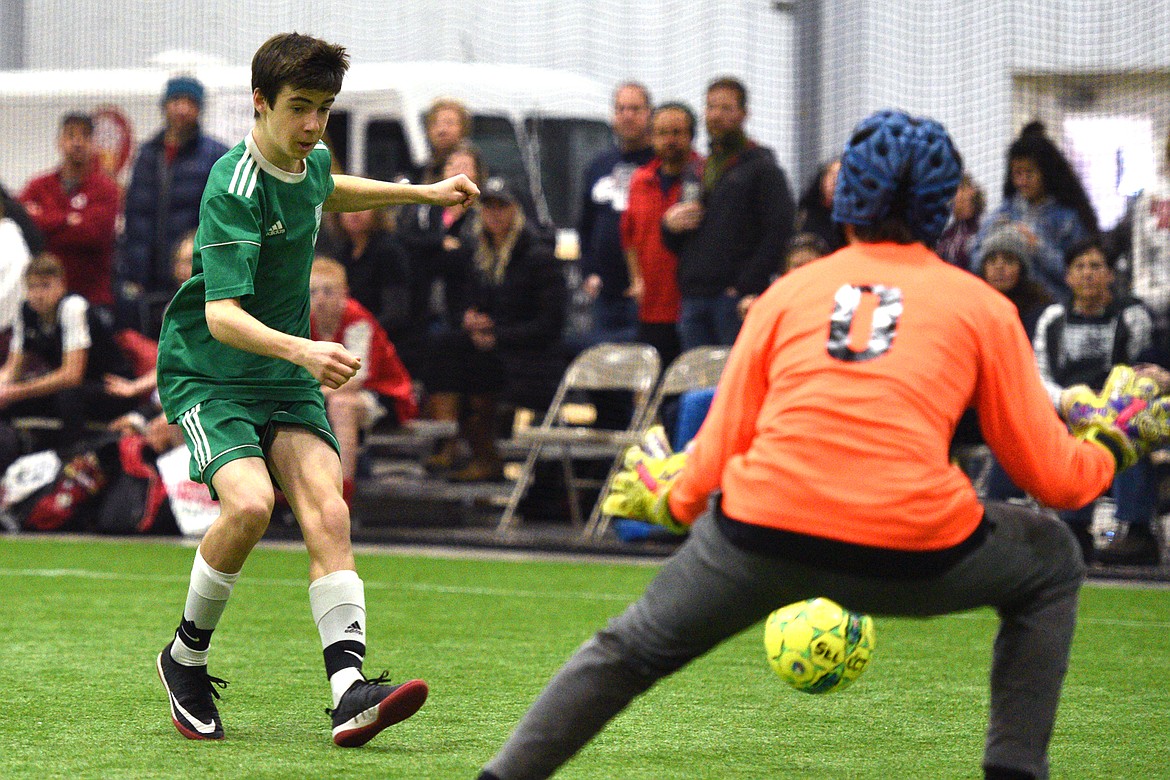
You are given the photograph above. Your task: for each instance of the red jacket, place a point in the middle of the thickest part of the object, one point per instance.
(381, 369)
(86, 248)
(642, 232)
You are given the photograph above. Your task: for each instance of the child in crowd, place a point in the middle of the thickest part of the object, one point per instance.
(61, 348)
(381, 386)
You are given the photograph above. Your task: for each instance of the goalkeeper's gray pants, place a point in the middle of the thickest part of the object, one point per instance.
(1029, 568)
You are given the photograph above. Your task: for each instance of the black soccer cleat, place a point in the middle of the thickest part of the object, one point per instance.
(371, 705)
(190, 691)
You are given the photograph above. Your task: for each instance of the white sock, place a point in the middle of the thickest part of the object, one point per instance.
(338, 601)
(207, 596)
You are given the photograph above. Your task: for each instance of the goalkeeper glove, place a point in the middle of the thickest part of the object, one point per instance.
(641, 490)
(1126, 417)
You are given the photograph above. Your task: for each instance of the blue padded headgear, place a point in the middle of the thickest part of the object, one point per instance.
(902, 166)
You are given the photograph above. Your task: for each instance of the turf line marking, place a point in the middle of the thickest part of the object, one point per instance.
(460, 590)
(463, 590)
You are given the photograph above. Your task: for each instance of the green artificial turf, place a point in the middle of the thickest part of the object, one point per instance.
(81, 623)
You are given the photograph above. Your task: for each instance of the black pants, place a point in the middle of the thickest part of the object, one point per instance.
(74, 407)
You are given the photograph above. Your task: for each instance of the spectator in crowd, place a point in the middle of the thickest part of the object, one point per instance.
(606, 187)
(814, 210)
(730, 243)
(61, 350)
(29, 232)
(133, 343)
(76, 207)
(1043, 192)
(1079, 343)
(959, 236)
(438, 241)
(676, 172)
(513, 303)
(381, 387)
(183, 259)
(376, 266)
(1144, 235)
(162, 201)
(14, 258)
(1006, 262)
(802, 250)
(448, 124)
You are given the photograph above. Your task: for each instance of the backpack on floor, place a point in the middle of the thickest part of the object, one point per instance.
(136, 494)
(67, 503)
(25, 481)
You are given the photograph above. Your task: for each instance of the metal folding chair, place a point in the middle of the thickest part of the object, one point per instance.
(630, 367)
(695, 369)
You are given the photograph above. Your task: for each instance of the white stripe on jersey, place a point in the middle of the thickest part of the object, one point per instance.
(252, 183)
(236, 172)
(249, 167)
(228, 243)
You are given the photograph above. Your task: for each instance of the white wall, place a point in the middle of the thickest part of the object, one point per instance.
(955, 60)
(951, 60)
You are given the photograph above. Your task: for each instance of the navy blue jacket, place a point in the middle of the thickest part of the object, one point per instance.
(162, 203)
(606, 190)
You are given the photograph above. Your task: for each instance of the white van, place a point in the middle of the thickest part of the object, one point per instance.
(537, 126)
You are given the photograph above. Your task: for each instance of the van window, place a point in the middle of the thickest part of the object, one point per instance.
(496, 138)
(337, 138)
(565, 147)
(387, 152)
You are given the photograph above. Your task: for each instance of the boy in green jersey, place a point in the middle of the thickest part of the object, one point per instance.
(239, 373)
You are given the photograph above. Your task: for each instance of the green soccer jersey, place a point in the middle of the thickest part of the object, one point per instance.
(257, 228)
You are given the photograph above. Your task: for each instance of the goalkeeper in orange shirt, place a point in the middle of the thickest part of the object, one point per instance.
(822, 470)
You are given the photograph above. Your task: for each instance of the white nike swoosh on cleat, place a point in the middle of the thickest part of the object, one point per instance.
(200, 726)
(355, 655)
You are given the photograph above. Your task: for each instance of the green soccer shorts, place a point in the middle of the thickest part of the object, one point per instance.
(220, 431)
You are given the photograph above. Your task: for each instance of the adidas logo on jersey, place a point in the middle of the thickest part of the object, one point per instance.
(276, 229)
(353, 628)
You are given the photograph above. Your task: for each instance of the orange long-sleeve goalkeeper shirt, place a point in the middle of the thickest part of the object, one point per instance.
(836, 409)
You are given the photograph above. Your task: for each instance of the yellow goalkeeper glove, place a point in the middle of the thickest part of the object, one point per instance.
(641, 489)
(1127, 417)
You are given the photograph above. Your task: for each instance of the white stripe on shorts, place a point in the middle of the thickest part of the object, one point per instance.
(190, 423)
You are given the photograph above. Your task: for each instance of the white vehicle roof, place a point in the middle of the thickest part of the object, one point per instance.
(32, 102)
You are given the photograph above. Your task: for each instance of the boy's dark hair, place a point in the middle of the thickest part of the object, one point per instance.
(45, 265)
(84, 121)
(675, 105)
(732, 83)
(298, 61)
(1087, 245)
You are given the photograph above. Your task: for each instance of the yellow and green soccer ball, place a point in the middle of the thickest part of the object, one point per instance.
(818, 646)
